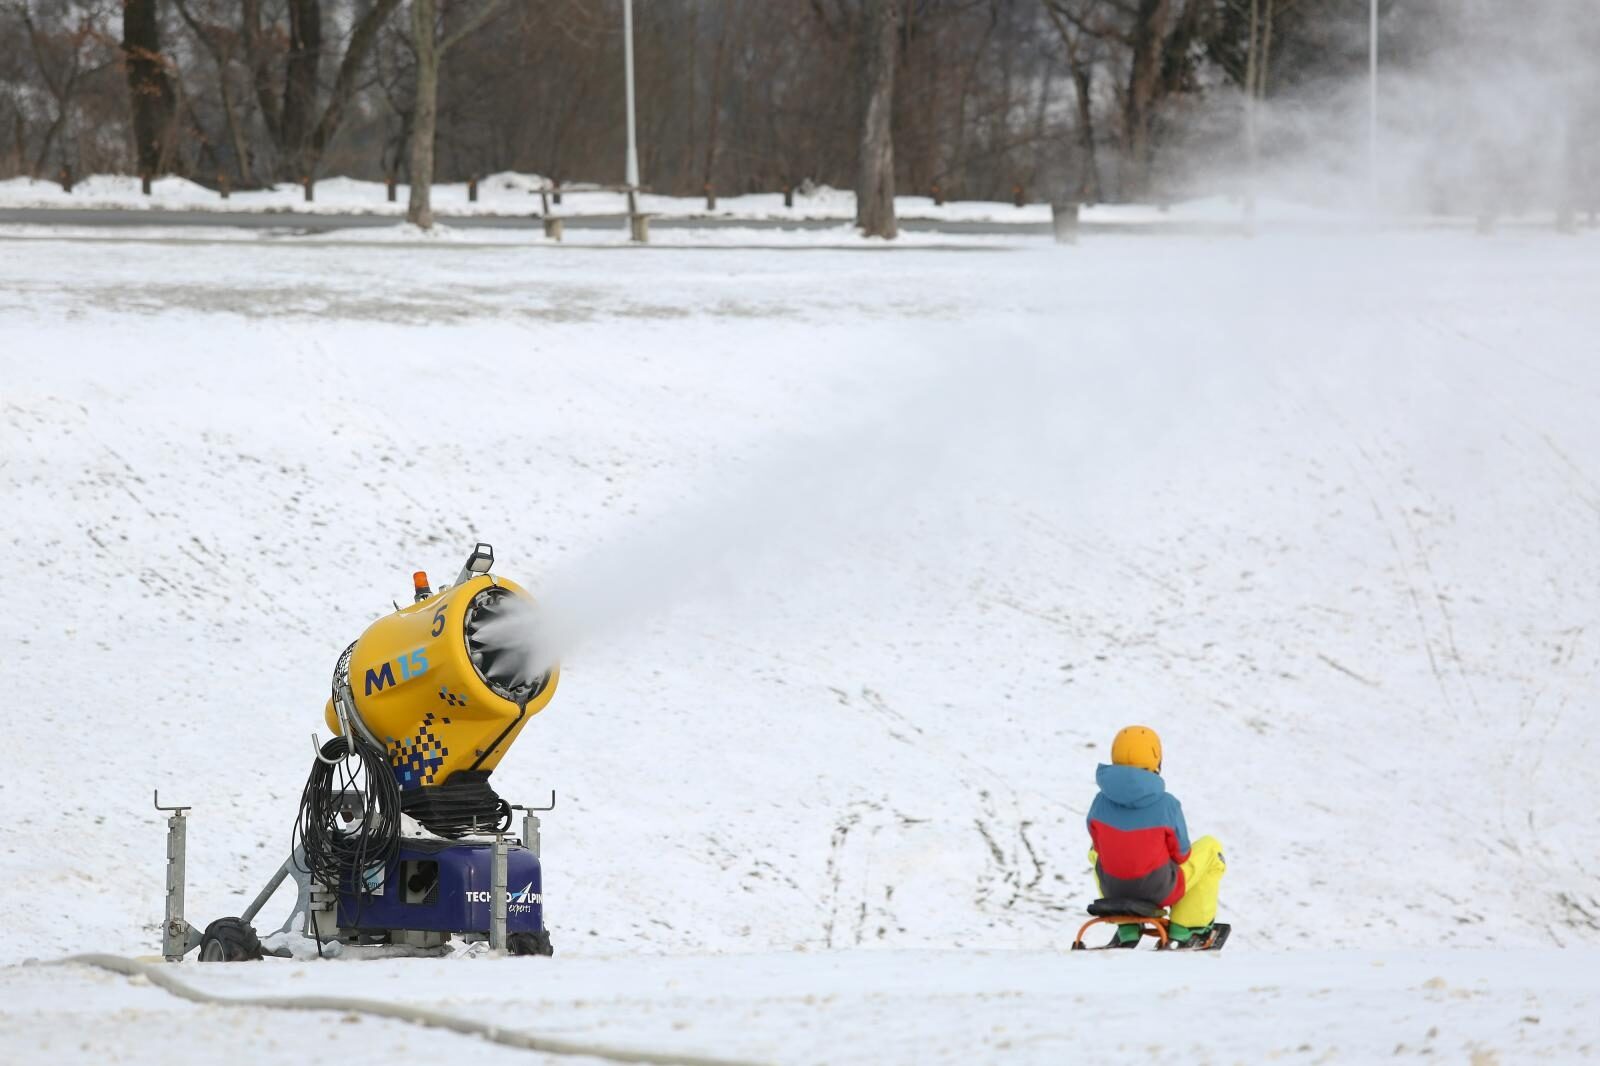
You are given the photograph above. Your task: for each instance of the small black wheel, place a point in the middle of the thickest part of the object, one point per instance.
(229, 940)
(530, 943)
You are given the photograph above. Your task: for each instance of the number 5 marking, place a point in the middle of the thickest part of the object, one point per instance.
(438, 621)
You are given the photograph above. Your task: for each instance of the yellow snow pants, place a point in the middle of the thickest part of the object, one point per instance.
(1202, 881)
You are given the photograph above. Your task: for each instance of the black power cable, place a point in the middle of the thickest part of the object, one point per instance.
(349, 825)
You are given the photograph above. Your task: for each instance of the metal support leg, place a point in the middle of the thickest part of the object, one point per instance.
(265, 894)
(299, 919)
(530, 840)
(177, 935)
(497, 895)
(530, 833)
(174, 931)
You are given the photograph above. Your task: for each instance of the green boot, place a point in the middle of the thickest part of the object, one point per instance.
(1182, 936)
(1129, 935)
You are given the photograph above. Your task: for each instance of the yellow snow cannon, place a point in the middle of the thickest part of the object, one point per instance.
(443, 686)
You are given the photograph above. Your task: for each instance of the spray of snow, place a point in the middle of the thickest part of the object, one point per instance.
(1482, 108)
(979, 417)
(960, 430)
(782, 516)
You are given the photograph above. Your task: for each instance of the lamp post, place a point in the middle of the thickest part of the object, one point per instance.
(1372, 105)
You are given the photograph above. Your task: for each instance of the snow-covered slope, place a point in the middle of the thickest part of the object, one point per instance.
(887, 546)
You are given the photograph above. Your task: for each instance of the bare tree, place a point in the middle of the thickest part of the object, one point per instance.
(971, 96)
(1146, 40)
(299, 132)
(1082, 55)
(714, 104)
(67, 50)
(395, 65)
(1248, 62)
(1158, 43)
(150, 90)
(875, 165)
(430, 47)
(220, 43)
(301, 67)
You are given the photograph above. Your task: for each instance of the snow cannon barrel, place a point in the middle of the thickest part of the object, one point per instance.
(444, 685)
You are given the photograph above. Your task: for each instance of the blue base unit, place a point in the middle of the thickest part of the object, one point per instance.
(444, 887)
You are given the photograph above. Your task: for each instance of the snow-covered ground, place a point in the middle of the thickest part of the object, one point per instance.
(887, 546)
(863, 1007)
(498, 194)
(746, 237)
(519, 194)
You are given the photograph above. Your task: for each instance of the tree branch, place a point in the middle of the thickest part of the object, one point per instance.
(489, 10)
(199, 31)
(260, 73)
(1096, 29)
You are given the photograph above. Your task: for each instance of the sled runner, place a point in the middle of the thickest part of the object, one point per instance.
(1149, 920)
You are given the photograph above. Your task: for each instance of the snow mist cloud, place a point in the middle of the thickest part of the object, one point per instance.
(1483, 108)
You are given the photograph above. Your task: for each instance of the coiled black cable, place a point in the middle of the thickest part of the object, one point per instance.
(349, 823)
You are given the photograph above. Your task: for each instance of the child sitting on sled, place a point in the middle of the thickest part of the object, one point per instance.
(1141, 849)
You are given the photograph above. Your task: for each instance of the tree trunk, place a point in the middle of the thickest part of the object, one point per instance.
(1081, 67)
(875, 165)
(241, 149)
(1083, 84)
(207, 146)
(715, 113)
(1147, 42)
(150, 91)
(62, 91)
(1264, 64)
(260, 62)
(20, 131)
(430, 50)
(424, 117)
(300, 85)
(50, 135)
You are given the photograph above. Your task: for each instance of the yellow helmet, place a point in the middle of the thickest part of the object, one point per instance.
(1138, 746)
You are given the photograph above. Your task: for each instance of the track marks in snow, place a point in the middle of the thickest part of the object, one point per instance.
(1346, 671)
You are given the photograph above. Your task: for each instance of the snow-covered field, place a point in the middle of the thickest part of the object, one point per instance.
(865, 1007)
(509, 194)
(884, 546)
(746, 237)
(498, 194)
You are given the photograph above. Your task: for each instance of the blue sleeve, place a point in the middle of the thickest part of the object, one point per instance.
(1179, 825)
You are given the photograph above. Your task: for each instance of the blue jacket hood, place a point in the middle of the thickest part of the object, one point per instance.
(1129, 786)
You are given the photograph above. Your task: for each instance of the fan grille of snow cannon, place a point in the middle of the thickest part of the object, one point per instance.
(497, 634)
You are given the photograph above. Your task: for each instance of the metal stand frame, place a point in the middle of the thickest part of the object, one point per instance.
(315, 907)
(497, 895)
(178, 937)
(530, 823)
